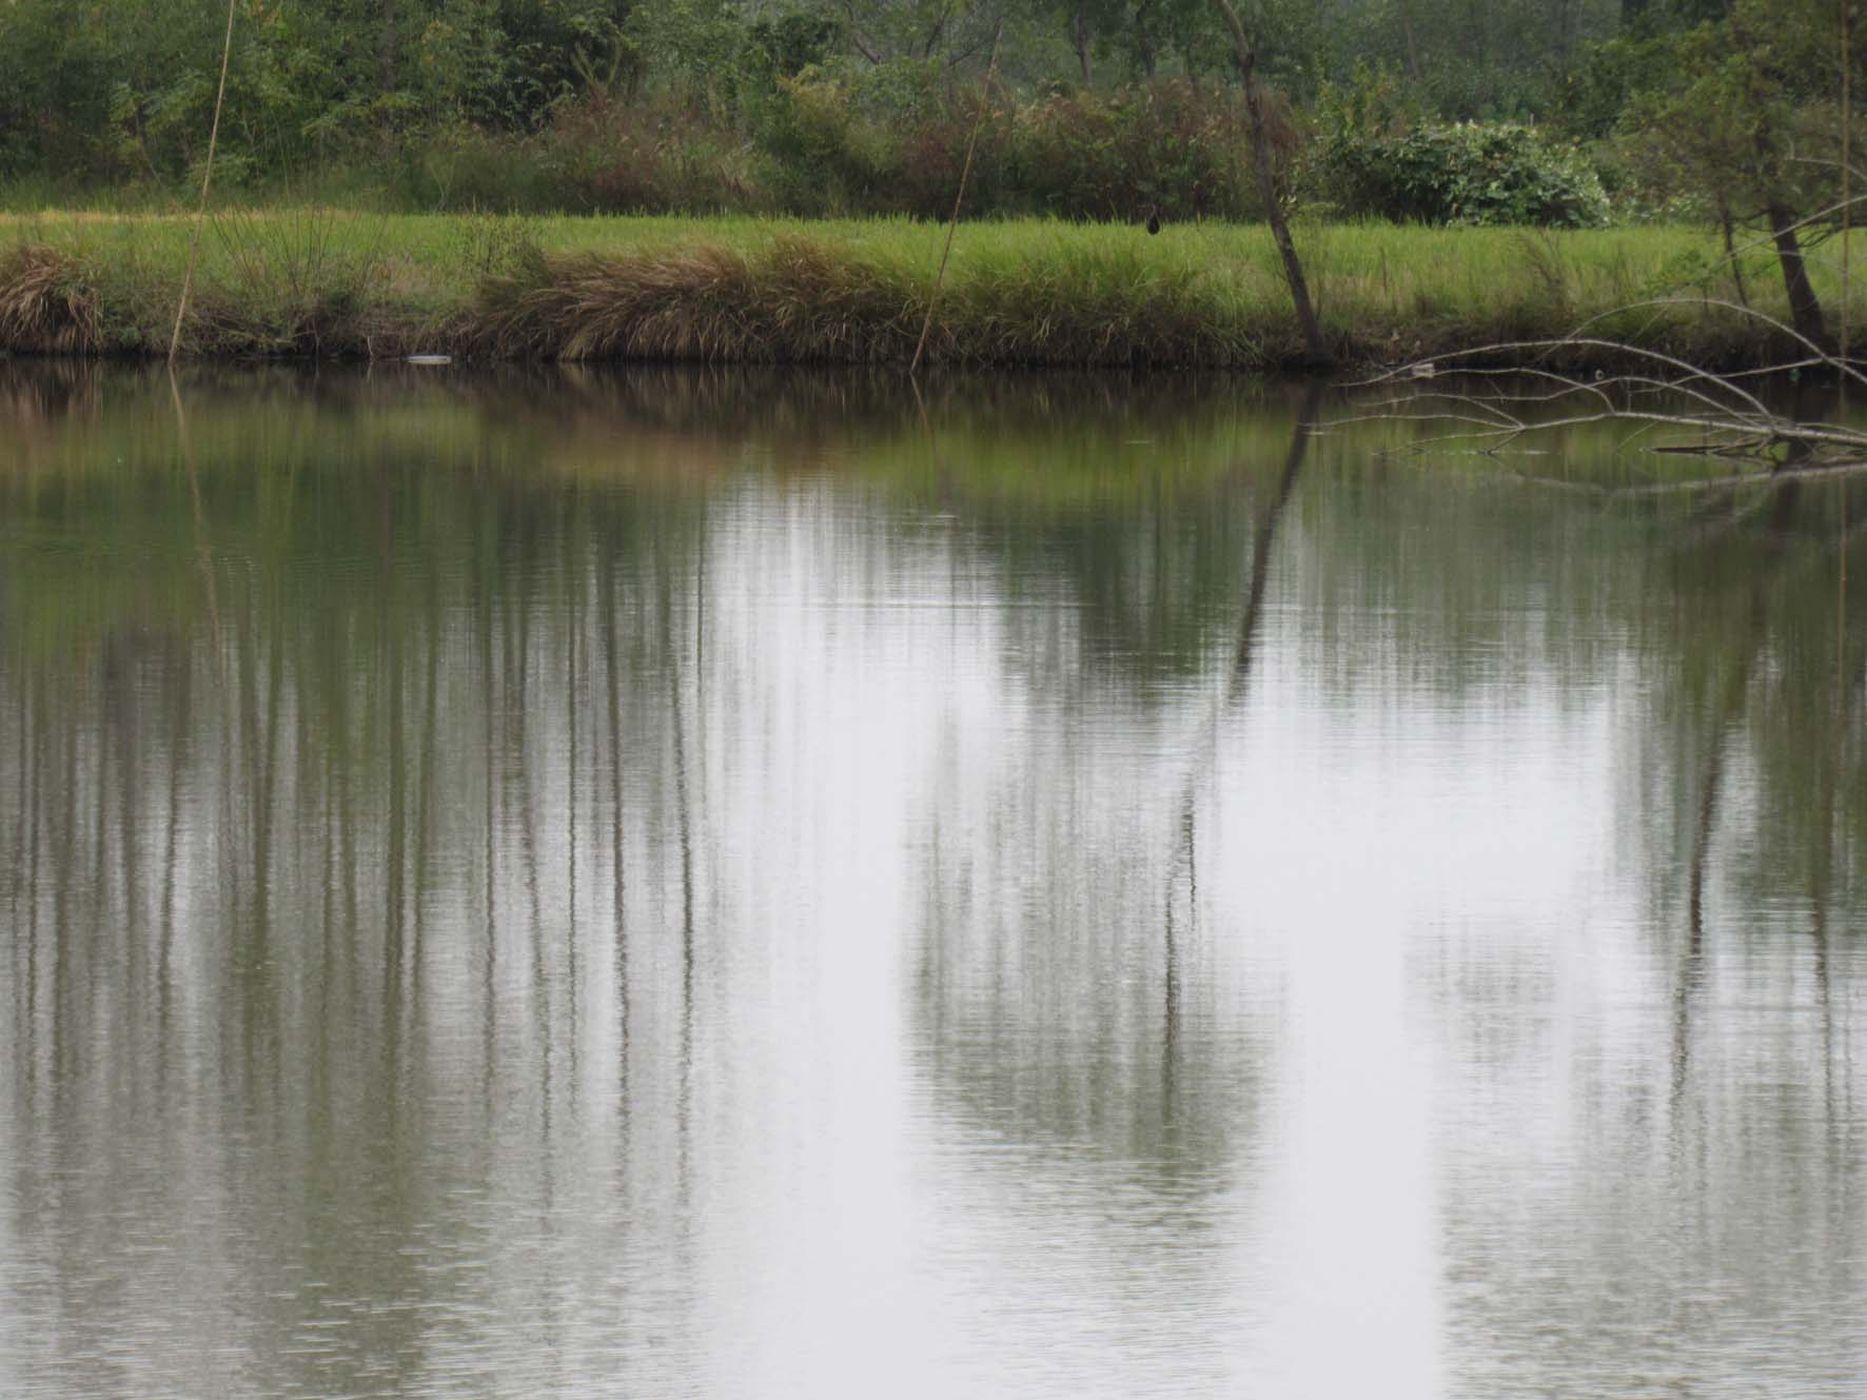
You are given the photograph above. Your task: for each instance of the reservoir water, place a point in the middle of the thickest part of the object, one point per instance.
(765, 885)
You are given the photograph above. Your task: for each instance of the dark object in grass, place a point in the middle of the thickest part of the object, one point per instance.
(1153, 220)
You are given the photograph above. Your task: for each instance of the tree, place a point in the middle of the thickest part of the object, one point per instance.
(1749, 123)
(1246, 56)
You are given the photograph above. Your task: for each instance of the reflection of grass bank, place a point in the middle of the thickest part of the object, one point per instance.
(321, 283)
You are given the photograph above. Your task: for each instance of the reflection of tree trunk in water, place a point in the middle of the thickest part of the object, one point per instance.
(1237, 674)
(395, 857)
(1822, 882)
(528, 848)
(617, 883)
(265, 828)
(165, 945)
(204, 558)
(1171, 1049)
(327, 953)
(129, 827)
(489, 1024)
(36, 806)
(63, 852)
(573, 588)
(1822, 873)
(98, 813)
(347, 837)
(684, 1124)
(1238, 671)
(1691, 975)
(700, 660)
(1261, 555)
(1170, 1020)
(685, 831)
(424, 799)
(23, 766)
(1711, 782)
(18, 868)
(1814, 401)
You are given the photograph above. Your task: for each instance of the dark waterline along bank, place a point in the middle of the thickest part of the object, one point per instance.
(326, 285)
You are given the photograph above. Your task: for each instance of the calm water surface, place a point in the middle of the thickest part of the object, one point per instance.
(680, 884)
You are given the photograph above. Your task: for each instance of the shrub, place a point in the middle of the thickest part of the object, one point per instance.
(1470, 173)
(824, 153)
(1167, 146)
(834, 145)
(599, 156)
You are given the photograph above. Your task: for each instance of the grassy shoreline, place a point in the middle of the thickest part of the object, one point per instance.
(324, 283)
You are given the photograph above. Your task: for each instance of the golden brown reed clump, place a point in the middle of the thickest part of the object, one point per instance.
(45, 306)
(795, 300)
(792, 301)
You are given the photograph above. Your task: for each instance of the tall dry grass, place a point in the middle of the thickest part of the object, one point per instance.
(794, 300)
(46, 308)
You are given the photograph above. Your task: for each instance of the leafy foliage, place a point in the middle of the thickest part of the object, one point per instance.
(1469, 173)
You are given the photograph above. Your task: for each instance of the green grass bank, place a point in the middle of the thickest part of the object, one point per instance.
(313, 282)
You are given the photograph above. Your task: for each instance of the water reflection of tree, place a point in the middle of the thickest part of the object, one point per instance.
(287, 789)
(1713, 1154)
(238, 831)
(1067, 994)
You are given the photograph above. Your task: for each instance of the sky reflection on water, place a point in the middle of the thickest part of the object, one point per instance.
(745, 885)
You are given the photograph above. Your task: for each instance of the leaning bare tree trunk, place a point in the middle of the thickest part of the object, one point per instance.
(1247, 59)
(1079, 37)
(1805, 309)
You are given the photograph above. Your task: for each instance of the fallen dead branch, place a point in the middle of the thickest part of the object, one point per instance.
(1489, 410)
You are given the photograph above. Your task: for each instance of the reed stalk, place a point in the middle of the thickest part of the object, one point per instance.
(207, 178)
(959, 199)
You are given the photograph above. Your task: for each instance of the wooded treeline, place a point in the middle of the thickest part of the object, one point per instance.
(1558, 112)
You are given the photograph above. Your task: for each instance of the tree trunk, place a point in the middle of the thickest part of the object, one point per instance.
(1406, 34)
(1316, 346)
(1726, 226)
(386, 53)
(1144, 38)
(1079, 36)
(1805, 310)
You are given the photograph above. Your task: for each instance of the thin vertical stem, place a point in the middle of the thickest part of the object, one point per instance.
(207, 177)
(1847, 174)
(959, 198)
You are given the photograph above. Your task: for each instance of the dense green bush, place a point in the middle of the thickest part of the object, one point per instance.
(1467, 174)
(1471, 173)
(827, 146)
